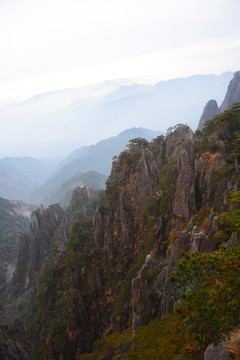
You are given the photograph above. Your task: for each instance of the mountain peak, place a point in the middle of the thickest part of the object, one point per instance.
(209, 111)
(233, 93)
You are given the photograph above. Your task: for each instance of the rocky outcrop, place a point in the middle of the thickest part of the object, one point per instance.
(161, 198)
(152, 294)
(232, 96)
(233, 93)
(33, 253)
(15, 219)
(81, 197)
(193, 191)
(215, 353)
(141, 188)
(209, 111)
(15, 343)
(50, 230)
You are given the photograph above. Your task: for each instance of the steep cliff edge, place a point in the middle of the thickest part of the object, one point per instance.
(210, 110)
(15, 343)
(33, 251)
(49, 233)
(161, 198)
(233, 93)
(14, 219)
(110, 273)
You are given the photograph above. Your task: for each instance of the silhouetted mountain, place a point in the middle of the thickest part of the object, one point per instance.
(233, 93)
(232, 96)
(57, 122)
(209, 111)
(152, 107)
(98, 157)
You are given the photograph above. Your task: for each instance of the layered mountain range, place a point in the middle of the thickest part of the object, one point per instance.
(86, 166)
(156, 255)
(19, 177)
(45, 182)
(53, 123)
(36, 181)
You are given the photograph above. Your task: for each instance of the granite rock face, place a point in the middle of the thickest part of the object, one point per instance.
(209, 111)
(33, 252)
(232, 96)
(50, 229)
(15, 343)
(120, 227)
(194, 186)
(215, 353)
(233, 93)
(161, 198)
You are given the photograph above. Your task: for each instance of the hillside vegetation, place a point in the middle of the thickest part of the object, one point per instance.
(160, 257)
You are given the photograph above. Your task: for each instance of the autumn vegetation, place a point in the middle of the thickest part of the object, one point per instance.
(208, 284)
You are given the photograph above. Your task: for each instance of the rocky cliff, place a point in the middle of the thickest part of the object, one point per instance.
(209, 111)
(15, 343)
(33, 251)
(233, 93)
(232, 96)
(161, 198)
(49, 232)
(14, 219)
(112, 272)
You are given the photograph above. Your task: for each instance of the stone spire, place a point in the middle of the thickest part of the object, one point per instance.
(209, 111)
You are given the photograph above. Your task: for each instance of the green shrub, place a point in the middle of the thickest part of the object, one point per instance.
(223, 172)
(230, 220)
(117, 343)
(198, 220)
(150, 274)
(210, 293)
(169, 339)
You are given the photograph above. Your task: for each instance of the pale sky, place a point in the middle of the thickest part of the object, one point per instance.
(54, 44)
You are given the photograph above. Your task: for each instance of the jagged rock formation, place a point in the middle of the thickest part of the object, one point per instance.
(233, 93)
(215, 353)
(62, 194)
(232, 96)
(50, 229)
(209, 111)
(15, 343)
(161, 198)
(14, 219)
(33, 252)
(93, 161)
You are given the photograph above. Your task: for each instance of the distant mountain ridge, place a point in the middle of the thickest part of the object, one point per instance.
(114, 144)
(76, 117)
(97, 158)
(62, 193)
(20, 176)
(159, 246)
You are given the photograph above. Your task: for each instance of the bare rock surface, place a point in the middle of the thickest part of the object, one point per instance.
(233, 93)
(215, 353)
(209, 111)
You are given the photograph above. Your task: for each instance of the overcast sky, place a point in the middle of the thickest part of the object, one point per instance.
(54, 44)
